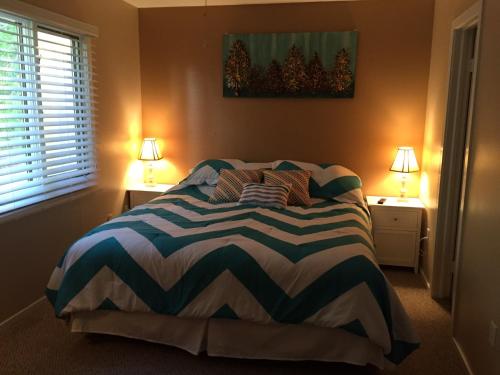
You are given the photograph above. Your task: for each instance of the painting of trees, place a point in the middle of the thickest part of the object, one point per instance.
(342, 80)
(299, 65)
(237, 68)
(294, 71)
(317, 77)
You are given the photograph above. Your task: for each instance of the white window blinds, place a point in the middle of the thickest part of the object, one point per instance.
(46, 116)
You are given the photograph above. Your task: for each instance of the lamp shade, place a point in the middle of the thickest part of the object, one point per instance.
(405, 161)
(149, 150)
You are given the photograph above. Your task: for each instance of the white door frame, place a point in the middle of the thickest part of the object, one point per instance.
(452, 189)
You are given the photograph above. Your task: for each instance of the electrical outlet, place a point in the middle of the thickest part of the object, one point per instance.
(492, 337)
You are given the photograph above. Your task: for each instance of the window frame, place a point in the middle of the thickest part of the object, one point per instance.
(40, 20)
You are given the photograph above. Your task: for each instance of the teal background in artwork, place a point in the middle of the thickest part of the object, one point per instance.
(263, 48)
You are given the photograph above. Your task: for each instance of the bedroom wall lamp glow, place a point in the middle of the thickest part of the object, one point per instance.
(149, 153)
(405, 162)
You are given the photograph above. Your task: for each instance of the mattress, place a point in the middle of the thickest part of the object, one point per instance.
(180, 256)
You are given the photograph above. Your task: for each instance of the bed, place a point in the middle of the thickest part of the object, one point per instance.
(236, 280)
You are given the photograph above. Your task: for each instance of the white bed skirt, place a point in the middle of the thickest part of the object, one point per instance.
(235, 338)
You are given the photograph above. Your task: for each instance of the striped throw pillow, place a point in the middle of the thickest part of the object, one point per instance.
(231, 182)
(299, 195)
(329, 181)
(263, 195)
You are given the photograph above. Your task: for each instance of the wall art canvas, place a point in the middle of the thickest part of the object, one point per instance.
(315, 64)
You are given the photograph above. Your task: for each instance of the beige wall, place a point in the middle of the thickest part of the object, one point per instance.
(31, 244)
(445, 12)
(181, 77)
(478, 288)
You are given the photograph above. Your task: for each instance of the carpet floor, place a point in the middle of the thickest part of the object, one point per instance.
(37, 343)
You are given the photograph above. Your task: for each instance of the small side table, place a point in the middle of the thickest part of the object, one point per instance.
(138, 194)
(397, 230)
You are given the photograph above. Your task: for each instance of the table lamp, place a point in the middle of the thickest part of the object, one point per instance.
(149, 153)
(405, 162)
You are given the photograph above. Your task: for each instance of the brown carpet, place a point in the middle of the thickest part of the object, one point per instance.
(37, 343)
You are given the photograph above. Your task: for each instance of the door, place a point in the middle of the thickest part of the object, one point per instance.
(453, 182)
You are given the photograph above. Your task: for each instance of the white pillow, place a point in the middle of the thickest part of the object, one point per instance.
(207, 171)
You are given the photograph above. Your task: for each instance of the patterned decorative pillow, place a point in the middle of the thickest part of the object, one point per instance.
(328, 181)
(264, 195)
(231, 182)
(299, 195)
(207, 171)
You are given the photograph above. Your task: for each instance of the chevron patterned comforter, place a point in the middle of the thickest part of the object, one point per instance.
(180, 255)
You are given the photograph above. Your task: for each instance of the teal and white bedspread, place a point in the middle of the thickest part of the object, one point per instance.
(180, 255)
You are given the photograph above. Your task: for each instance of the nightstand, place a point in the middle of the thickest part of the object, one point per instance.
(140, 193)
(397, 230)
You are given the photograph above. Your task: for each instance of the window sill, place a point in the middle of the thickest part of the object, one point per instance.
(48, 204)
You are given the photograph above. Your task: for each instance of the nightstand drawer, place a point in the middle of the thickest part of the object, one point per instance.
(395, 248)
(141, 197)
(395, 218)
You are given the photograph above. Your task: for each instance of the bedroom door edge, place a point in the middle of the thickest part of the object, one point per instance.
(456, 142)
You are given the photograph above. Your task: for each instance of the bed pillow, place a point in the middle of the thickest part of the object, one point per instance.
(231, 183)
(207, 171)
(329, 181)
(265, 195)
(299, 179)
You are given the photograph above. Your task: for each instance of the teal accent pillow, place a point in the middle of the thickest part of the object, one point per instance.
(328, 181)
(207, 171)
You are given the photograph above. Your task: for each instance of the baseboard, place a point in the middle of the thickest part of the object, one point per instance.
(22, 311)
(464, 358)
(426, 281)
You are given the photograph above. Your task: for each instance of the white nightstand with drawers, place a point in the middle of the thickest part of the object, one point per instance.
(397, 230)
(140, 193)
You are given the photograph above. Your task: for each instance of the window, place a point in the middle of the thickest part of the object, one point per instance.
(46, 139)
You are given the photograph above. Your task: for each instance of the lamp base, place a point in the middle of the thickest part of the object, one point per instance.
(402, 192)
(149, 176)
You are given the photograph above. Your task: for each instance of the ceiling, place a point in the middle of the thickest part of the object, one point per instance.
(195, 3)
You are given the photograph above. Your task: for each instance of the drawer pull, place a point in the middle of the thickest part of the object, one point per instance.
(395, 219)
